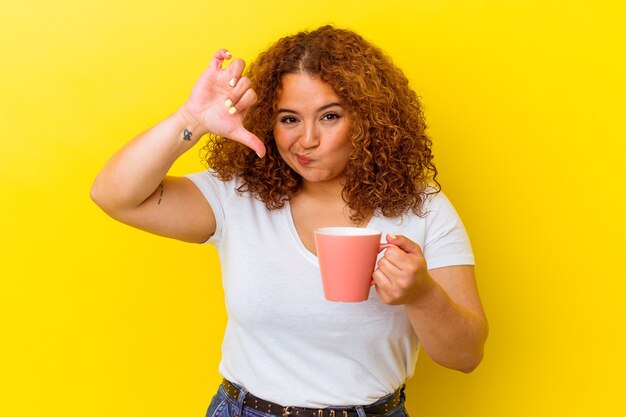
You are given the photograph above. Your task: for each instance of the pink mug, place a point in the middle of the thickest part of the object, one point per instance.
(347, 257)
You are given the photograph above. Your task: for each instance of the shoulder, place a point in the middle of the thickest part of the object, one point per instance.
(210, 175)
(437, 201)
(208, 181)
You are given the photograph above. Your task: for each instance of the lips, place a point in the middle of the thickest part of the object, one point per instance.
(303, 160)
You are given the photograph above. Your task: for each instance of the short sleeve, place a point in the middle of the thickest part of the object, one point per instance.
(446, 241)
(213, 190)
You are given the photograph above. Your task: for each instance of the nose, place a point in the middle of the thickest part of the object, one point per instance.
(310, 136)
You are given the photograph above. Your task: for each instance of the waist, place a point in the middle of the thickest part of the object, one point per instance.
(381, 407)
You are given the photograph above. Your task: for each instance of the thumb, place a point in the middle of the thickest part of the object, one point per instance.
(406, 244)
(245, 137)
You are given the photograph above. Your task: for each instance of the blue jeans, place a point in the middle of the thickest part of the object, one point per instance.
(223, 405)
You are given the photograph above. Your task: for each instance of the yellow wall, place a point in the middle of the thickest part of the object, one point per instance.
(525, 102)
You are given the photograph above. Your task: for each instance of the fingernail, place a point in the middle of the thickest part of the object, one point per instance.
(258, 154)
(232, 110)
(392, 236)
(228, 103)
(228, 53)
(232, 82)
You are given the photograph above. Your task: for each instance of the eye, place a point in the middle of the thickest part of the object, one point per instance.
(288, 120)
(331, 116)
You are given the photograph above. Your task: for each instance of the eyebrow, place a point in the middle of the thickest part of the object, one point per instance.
(319, 110)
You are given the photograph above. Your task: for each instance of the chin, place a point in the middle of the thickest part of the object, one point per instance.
(319, 179)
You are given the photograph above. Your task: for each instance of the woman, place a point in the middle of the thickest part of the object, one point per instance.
(322, 130)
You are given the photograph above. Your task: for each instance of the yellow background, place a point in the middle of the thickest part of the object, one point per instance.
(526, 106)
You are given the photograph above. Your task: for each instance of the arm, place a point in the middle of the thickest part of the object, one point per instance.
(442, 304)
(133, 187)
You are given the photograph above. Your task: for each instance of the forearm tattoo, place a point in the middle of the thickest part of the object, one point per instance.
(187, 134)
(161, 193)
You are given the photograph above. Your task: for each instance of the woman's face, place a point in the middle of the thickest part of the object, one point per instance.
(312, 129)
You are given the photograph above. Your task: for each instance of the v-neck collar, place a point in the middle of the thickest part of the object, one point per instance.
(298, 241)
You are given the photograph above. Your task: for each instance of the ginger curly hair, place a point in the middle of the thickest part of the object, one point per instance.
(391, 167)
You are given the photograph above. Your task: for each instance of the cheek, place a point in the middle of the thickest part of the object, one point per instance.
(279, 140)
(341, 153)
(282, 139)
(344, 142)
(283, 144)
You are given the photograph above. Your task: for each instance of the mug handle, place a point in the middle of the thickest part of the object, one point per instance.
(385, 246)
(382, 247)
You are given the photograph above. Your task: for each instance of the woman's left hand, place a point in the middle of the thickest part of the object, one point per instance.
(402, 276)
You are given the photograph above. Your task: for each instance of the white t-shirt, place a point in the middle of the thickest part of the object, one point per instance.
(284, 342)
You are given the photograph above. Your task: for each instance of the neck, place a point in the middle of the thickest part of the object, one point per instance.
(324, 198)
(323, 191)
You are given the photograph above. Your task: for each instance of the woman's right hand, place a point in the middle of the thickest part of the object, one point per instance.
(208, 103)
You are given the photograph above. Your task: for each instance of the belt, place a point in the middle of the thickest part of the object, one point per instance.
(289, 411)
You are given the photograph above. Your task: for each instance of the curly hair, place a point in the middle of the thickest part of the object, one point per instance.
(391, 166)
